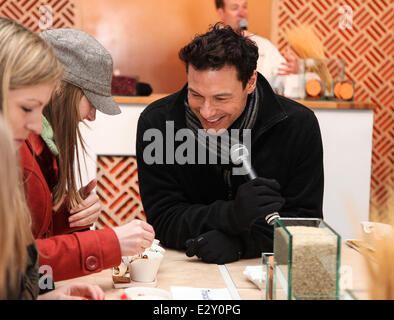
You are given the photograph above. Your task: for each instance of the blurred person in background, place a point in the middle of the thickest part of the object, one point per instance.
(282, 72)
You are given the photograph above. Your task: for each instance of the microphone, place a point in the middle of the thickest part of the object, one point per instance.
(243, 24)
(240, 155)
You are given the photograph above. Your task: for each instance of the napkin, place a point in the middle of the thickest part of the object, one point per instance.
(255, 274)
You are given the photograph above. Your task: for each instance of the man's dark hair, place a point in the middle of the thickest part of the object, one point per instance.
(222, 46)
(219, 4)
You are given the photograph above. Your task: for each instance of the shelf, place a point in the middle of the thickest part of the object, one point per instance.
(320, 104)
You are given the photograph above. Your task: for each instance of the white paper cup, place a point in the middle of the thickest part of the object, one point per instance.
(145, 270)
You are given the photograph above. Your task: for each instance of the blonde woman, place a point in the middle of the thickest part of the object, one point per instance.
(18, 255)
(48, 161)
(29, 71)
(19, 276)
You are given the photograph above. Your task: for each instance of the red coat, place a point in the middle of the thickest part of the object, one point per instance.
(69, 255)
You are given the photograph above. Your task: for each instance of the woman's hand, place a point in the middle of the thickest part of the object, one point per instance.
(290, 66)
(89, 210)
(74, 291)
(134, 237)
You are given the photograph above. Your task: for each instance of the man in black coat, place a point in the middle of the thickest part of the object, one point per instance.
(194, 196)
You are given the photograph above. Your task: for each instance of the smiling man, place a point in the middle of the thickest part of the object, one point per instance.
(202, 206)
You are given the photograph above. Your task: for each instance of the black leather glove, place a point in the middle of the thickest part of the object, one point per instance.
(214, 247)
(256, 199)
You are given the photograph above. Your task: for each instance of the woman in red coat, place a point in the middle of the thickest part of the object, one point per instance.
(58, 207)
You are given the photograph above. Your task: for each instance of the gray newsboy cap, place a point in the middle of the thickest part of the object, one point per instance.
(88, 65)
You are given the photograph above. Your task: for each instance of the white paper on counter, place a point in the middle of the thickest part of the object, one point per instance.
(255, 274)
(189, 293)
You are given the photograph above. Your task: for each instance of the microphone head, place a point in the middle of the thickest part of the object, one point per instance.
(243, 24)
(238, 153)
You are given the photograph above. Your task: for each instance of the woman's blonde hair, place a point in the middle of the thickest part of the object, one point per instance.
(15, 219)
(25, 60)
(62, 112)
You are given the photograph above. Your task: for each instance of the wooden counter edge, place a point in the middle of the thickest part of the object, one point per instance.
(320, 104)
(145, 100)
(324, 104)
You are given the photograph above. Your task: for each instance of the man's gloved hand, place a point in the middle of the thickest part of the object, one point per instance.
(214, 247)
(256, 199)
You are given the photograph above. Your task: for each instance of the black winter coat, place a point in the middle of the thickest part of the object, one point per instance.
(185, 201)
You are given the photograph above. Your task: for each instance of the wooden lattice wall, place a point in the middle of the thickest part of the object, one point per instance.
(39, 15)
(363, 36)
(118, 190)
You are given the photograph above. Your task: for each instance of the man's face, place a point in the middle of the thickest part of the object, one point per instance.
(233, 11)
(217, 97)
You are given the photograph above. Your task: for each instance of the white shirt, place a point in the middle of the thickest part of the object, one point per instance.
(268, 64)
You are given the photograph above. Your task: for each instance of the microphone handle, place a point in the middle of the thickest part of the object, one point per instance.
(250, 172)
(270, 219)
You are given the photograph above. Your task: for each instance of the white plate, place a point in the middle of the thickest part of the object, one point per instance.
(145, 293)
